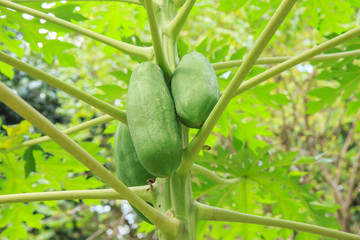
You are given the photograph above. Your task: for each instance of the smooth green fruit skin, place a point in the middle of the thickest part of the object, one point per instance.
(195, 89)
(128, 167)
(152, 121)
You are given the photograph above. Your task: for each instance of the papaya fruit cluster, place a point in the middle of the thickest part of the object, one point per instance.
(151, 145)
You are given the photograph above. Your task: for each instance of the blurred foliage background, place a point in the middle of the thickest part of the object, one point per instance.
(293, 141)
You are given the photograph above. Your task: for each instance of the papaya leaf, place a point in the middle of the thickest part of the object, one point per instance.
(30, 164)
(16, 224)
(348, 84)
(110, 92)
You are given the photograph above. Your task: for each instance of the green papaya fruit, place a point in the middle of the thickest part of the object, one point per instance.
(195, 89)
(128, 167)
(152, 121)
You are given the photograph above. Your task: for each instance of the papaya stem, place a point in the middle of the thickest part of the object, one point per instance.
(155, 35)
(209, 213)
(51, 80)
(297, 59)
(212, 176)
(272, 60)
(175, 26)
(160, 220)
(141, 191)
(198, 141)
(145, 53)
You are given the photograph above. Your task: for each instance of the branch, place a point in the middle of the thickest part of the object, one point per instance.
(141, 191)
(344, 149)
(141, 52)
(298, 59)
(75, 129)
(329, 179)
(217, 214)
(125, 1)
(178, 22)
(271, 60)
(156, 40)
(194, 147)
(161, 221)
(212, 176)
(49, 79)
(352, 182)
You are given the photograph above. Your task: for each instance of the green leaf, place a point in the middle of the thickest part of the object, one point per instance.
(239, 54)
(231, 5)
(110, 92)
(182, 48)
(66, 12)
(14, 218)
(7, 70)
(30, 164)
(328, 95)
(328, 18)
(121, 75)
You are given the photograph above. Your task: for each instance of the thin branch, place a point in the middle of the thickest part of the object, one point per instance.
(272, 60)
(51, 80)
(125, 1)
(341, 157)
(209, 213)
(346, 221)
(75, 129)
(141, 191)
(141, 52)
(298, 59)
(155, 35)
(329, 179)
(212, 176)
(354, 175)
(178, 22)
(62, 215)
(164, 223)
(198, 141)
(100, 231)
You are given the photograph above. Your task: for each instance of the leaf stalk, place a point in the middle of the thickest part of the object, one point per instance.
(272, 60)
(141, 191)
(210, 213)
(71, 130)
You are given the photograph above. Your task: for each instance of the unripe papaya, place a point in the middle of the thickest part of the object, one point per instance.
(195, 89)
(152, 121)
(128, 167)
